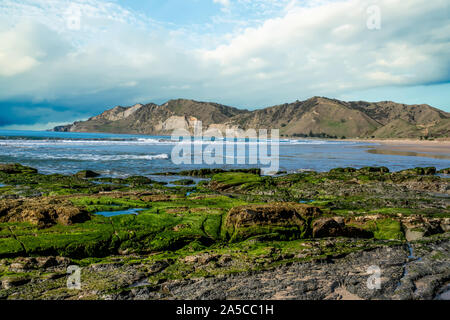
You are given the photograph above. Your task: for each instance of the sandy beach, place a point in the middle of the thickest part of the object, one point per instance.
(439, 149)
(435, 146)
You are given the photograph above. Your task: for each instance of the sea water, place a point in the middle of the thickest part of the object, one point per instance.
(120, 155)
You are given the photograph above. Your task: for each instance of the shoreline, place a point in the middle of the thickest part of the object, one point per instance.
(435, 147)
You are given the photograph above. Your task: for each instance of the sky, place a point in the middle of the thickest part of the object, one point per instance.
(62, 61)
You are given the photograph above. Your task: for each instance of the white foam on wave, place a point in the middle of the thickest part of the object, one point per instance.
(37, 143)
(93, 157)
(151, 141)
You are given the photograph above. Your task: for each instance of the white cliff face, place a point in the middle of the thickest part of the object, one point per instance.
(189, 123)
(118, 113)
(132, 110)
(175, 122)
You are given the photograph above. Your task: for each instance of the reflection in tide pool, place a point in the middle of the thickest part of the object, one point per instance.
(134, 211)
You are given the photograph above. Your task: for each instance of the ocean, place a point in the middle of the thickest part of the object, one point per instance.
(121, 155)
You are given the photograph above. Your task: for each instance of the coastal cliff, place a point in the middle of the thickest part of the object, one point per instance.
(315, 117)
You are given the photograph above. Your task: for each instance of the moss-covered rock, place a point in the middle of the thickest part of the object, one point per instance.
(329, 227)
(280, 220)
(86, 174)
(16, 168)
(42, 212)
(342, 170)
(374, 170)
(232, 180)
(207, 172)
(419, 171)
(183, 182)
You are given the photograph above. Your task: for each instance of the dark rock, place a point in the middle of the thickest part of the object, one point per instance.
(16, 168)
(272, 213)
(374, 170)
(342, 170)
(86, 174)
(419, 171)
(10, 282)
(183, 182)
(329, 227)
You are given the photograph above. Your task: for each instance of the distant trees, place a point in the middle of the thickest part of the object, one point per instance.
(316, 135)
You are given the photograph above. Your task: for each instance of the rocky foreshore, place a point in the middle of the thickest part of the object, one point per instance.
(236, 235)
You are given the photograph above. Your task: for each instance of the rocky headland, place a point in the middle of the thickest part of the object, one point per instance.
(316, 117)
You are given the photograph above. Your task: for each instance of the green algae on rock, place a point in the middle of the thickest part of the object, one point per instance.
(237, 225)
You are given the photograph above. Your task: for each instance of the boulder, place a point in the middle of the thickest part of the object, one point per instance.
(271, 214)
(43, 212)
(10, 282)
(201, 259)
(183, 182)
(374, 170)
(445, 224)
(414, 234)
(342, 170)
(326, 227)
(417, 228)
(16, 168)
(419, 171)
(280, 219)
(333, 227)
(159, 197)
(86, 174)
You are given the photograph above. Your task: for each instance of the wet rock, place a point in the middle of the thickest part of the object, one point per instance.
(201, 259)
(22, 264)
(374, 170)
(86, 174)
(279, 220)
(419, 171)
(414, 234)
(159, 197)
(329, 227)
(445, 224)
(225, 259)
(10, 282)
(417, 227)
(158, 266)
(183, 182)
(46, 262)
(43, 212)
(269, 214)
(342, 170)
(16, 168)
(326, 227)
(54, 276)
(339, 220)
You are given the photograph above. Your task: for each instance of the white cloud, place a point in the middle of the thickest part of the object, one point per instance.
(33, 127)
(224, 3)
(317, 48)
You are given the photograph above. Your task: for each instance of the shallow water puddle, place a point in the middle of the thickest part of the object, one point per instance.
(134, 211)
(411, 257)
